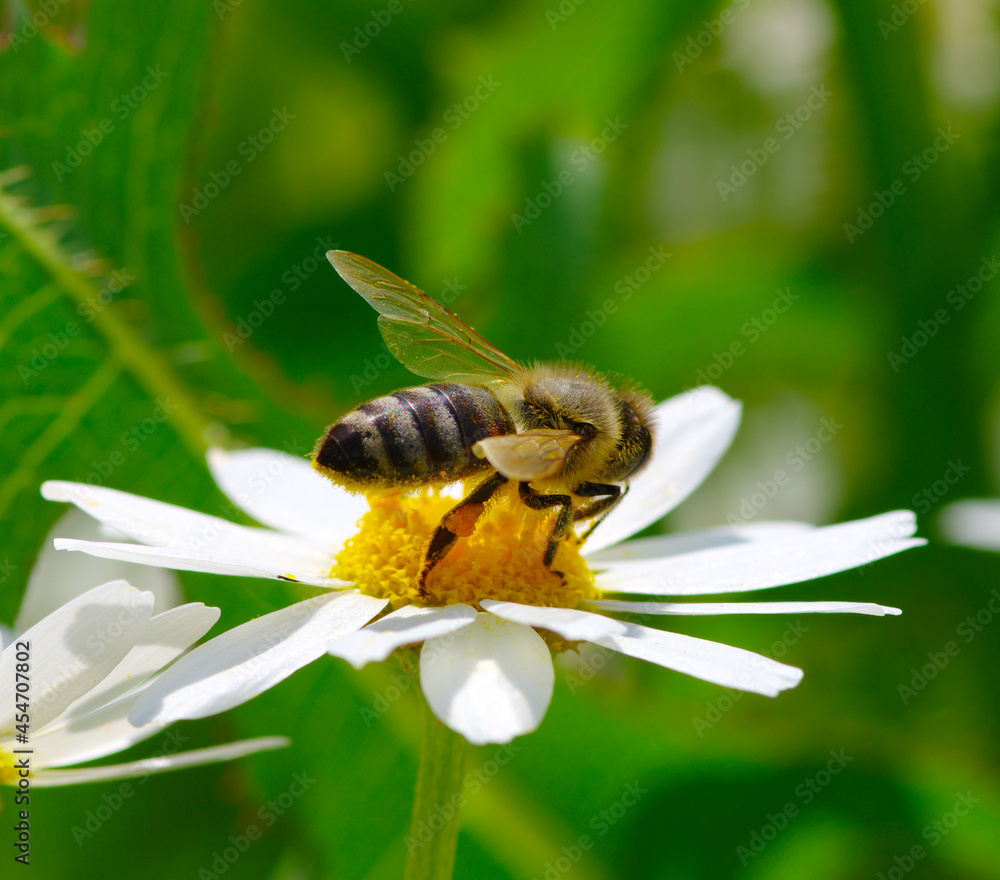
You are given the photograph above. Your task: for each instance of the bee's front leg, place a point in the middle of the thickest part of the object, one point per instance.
(458, 522)
(537, 501)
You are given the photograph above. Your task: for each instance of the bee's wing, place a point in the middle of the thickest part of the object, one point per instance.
(423, 335)
(530, 455)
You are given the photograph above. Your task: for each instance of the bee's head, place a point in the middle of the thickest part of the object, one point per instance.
(616, 423)
(635, 442)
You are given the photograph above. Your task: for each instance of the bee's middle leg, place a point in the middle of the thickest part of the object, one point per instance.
(536, 501)
(597, 510)
(459, 522)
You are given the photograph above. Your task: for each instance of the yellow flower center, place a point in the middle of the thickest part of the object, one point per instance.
(502, 559)
(8, 775)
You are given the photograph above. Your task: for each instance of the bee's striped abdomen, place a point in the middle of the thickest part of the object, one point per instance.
(414, 437)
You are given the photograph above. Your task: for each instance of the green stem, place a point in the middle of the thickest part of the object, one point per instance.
(438, 803)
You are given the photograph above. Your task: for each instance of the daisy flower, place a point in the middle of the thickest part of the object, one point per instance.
(493, 615)
(72, 675)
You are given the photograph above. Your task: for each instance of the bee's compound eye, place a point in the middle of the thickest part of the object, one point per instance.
(634, 445)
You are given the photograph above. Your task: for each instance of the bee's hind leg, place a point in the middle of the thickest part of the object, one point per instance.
(537, 501)
(459, 522)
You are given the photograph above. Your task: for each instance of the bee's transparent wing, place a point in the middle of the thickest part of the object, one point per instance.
(530, 455)
(422, 334)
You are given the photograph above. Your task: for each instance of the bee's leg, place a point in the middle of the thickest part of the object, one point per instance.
(598, 509)
(536, 501)
(458, 522)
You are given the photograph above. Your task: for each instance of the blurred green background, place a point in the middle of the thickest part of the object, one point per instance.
(523, 162)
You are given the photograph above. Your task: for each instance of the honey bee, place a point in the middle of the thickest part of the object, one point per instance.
(569, 437)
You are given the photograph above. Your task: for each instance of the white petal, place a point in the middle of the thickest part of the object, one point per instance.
(194, 560)
(105, 731)
(710, 661)
(568, 622)
(283, 491)
(167, 637)
(661, 546)
(974, 523)
(250, 659)
(490, 681)
(73, 649)
(616, 606)
(177, 528)
(141, 769)
(693, 432)
(56, 577)
(770, 563)
(407, 626)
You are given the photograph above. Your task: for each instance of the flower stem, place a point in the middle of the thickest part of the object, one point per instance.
(438, 803)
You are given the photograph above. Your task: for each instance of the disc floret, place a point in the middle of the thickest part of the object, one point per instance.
(501, 560)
